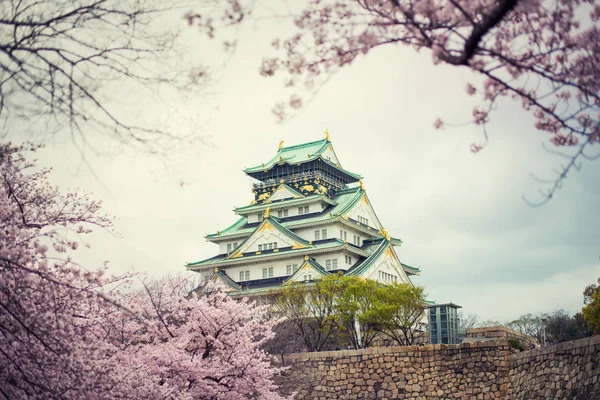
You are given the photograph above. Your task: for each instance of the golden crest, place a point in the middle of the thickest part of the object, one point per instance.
(264, 196)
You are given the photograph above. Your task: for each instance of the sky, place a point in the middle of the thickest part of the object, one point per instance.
(461, 215)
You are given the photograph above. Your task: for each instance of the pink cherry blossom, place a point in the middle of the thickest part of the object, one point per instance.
(68, 332)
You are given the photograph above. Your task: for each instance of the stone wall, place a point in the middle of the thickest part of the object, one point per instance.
(471, 370)
(569, 370)
(478, 370)
(500, 332)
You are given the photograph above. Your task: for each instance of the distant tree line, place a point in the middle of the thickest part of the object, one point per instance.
(549, 328)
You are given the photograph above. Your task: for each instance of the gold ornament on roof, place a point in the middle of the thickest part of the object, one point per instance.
(264, 196)
(281, 180)
(216, 270)
(385, 233)
(218, 232)
(267, 212)
(280, 144)
(327, 135)
(361, 184)
(305, 258)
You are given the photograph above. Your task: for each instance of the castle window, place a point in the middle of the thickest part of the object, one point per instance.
(291, 268)
(229, 247)
(300, 210)
(271, 272)
(260, 217)
(317, 235)
(348, 259)
(331, 264)
(282, 213)
(303, 210)
(244, 276)
(324, 234)
(260, 247)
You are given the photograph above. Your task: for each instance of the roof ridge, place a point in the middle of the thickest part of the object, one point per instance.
(301, 145)
(367, 262)
(286, 230)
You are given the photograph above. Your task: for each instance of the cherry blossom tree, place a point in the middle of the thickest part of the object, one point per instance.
(205, 346)
(46, 301)
(542, 54)
(67, 332)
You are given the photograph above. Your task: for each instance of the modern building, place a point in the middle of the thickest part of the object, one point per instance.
(309, 218)
(444, 325)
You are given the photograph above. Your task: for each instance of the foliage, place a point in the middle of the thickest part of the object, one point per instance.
(590, 291)
(544, 55)
(71, 333)
(401, 311)
(199, 346)
(58, 58)
(47, 345)
(515, 344)
(357, 309)
(591, 312)
(530, 325)
(357, 312)
(310, 310)
(557, 327)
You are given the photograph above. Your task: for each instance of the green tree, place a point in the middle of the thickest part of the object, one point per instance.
(310, 310)
(357, 315)
(401, 309)
(591, 312)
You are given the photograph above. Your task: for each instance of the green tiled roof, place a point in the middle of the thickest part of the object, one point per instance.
(283, 203)
(414, 269)
(286, 231)
(234, 228)
(314, 264)
(345, 199)
(366, 264)
(299, 154)
(273, 221)
(227, 280)
(219, 260)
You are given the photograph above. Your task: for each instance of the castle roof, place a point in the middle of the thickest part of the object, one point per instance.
(320, 150)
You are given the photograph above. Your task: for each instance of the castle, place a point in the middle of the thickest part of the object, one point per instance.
(310, 217)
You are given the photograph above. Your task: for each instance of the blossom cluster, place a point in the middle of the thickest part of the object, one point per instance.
(67, 332)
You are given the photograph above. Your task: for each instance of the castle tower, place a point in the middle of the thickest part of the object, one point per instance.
(309, 218)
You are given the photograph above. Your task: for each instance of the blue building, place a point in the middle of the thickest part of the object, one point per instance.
(444, 325)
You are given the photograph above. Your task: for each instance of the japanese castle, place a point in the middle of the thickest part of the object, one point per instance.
(309, 218)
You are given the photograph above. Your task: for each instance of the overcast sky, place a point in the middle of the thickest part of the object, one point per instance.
(461, 215)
